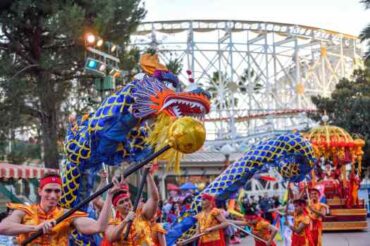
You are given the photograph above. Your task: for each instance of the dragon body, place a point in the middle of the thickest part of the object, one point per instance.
(290, 154)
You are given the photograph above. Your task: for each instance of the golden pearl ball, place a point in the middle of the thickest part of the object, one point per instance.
(187, 135)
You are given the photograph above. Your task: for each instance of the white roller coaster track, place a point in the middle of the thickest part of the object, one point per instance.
(290, 63)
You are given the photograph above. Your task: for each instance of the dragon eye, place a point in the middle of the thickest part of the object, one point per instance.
(169, 85)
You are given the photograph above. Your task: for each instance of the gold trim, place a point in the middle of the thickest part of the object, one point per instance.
(336, 201)
(349, 211)
(347, 225)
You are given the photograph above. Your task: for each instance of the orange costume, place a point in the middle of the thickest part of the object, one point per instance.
(354, 185)
(140, 232)
(262, 230)
(34, 215)
(304, 238)
(316, 222)
(157, 228)
(208, 220)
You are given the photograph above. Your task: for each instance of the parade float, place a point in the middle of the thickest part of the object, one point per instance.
(338, 173)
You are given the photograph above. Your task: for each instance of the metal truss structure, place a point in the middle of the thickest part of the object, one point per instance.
(261, 74)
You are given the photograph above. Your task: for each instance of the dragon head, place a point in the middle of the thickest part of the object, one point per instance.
(159, 91)
(158, 96)
(153, 96)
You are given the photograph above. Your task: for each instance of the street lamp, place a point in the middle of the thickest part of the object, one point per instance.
(100, 42)
(227, 149)
(90, 38)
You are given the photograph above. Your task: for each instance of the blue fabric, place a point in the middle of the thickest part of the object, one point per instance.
(188, 186)
(176, 232)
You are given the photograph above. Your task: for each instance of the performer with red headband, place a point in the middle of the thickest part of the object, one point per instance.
(210, 221)
(140, 232)
(26, 220)
(260, 227)
(317, 212)
(301, 235)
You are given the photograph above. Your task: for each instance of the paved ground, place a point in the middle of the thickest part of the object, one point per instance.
(360, 238)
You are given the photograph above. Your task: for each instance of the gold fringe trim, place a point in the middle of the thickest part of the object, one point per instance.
(158, 138)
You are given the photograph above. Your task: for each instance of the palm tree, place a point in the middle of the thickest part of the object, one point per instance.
(220, 92)
(249, 80)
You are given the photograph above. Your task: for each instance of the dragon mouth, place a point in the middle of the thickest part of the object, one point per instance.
(153, 98)
(179, 107)
(181, 104)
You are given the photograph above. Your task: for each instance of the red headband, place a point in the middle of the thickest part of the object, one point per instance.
(316, 190)
(119, 197)
(252, 216)
(124, 187)
(208, 197)
(50, 180)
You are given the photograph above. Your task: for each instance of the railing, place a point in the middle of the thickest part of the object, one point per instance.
(8, 194)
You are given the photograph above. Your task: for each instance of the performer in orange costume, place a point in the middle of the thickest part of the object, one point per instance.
(301, 235)
(259, 226)
(140, 232)
(317, 212)
(26, 220)
(354, 184)
(210, 221)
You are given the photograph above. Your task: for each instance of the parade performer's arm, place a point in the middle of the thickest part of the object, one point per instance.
(113, 233)
(99, 201)
(299, 229)
(223, 223)
(321, 213)
(274, 231)
(197, 229)
(89, 226)
(161, 239)
(151, 205)
(12, 225)
(238, 222)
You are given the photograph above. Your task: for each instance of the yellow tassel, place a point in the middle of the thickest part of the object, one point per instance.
(158, 138)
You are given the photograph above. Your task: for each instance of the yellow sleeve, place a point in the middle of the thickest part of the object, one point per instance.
(264, 224)
(215, 212)
(77, 214)
(17, 206)
(306, 220)
(159, 228)
(113, 221)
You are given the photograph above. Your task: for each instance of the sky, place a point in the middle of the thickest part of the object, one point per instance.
(347, 16)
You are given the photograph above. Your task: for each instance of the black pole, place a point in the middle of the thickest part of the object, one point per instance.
(128, 171)
(137, 200)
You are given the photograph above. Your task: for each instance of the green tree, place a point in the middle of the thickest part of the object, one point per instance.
(129, 61)
(349, 106)
(42, 53)
(365, 34)
(249, 80)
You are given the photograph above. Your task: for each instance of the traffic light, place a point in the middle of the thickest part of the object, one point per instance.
(95, 66)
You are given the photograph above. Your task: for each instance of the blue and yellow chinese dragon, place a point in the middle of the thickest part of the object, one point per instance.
(133, 122)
